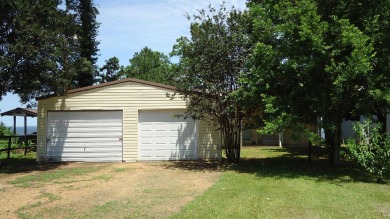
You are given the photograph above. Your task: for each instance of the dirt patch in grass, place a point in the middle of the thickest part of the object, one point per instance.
(104, 190)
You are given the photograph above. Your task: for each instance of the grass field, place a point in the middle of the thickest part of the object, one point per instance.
(270, 182)
(279, 183)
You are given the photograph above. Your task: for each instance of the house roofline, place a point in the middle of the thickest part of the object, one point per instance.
(77, 90)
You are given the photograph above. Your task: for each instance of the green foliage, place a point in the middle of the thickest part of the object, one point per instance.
(83, 75)
(39, 52)
(31, 47)
(306, 66)
(208, 74)
(84, 17)
(5, 130)
(373, 19)
(372, 150)
(151, 66)
(111, 71)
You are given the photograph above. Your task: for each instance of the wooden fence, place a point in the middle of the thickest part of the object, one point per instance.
(30, 142)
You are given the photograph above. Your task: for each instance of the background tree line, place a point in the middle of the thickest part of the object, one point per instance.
(298, 63)
(146, 65)
(280, 64)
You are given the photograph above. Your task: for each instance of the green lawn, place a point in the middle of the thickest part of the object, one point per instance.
(268, 183)
(279, 183)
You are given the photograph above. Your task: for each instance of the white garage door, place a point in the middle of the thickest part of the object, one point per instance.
(91, 136)
(163, 137)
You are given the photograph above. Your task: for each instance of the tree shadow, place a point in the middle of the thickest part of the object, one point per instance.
(195, 166)
(290, 163)
(282, 167)
(25, 165)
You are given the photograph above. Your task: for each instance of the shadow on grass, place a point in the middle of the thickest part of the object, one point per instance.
(284, 163)
(196, 166)
(24, 164)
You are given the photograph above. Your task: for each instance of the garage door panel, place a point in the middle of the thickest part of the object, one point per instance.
(75, 158)
(163, 137)
(145, 127)
(84, 136)
(159, 116)
(92, 157)
(67, 122)
(81, 127)
(98, 128)
(173, 140)
(160, 127)
(88, 149)
(62, 145)
(77, 153)
(103, 140)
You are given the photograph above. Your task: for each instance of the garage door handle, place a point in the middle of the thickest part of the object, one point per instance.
(120, 139)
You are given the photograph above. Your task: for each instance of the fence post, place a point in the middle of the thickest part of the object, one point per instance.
(25, 145)
(310, 151)
(9, 147)
(25, 135)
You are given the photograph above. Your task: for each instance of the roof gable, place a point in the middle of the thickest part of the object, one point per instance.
(77, 90)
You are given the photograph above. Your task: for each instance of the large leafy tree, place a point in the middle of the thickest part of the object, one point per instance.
(151, 66)
(39, 53)
(84, 14)
(36, 44)
(211, 62)
(308, 68)
(373, 19)
(111, 71)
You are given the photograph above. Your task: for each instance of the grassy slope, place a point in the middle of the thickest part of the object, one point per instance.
(279, 183)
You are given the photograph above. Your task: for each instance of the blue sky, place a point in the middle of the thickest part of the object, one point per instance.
(129, 25)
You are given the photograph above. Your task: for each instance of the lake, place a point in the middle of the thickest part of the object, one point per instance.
(20, 129)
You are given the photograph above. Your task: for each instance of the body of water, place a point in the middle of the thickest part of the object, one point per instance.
(20, 129)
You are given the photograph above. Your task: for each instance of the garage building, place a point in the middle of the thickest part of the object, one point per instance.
(124, 120)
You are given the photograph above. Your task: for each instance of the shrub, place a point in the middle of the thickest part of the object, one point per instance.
(5, 130)
(372, 150)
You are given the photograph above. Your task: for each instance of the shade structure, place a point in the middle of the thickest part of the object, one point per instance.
(21, 112)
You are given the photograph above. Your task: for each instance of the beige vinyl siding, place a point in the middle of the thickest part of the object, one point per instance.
(208, 142)
(128, 97)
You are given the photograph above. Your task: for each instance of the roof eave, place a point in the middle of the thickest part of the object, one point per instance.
(154, 84)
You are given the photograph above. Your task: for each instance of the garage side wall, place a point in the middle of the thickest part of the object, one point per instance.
(209, 142)
(127, 97)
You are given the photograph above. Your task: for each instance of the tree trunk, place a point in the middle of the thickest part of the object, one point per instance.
(333, 141)
(231, 140)
(382, 120)
(337, 144)
(329, 141)
(310, 151)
